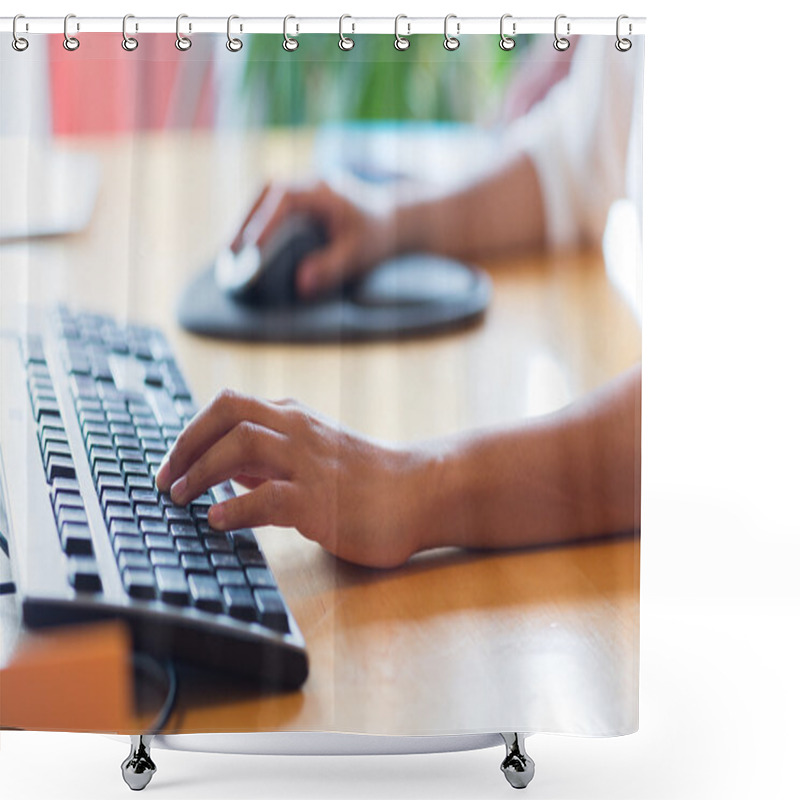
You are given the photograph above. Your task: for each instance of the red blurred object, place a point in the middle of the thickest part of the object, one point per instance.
(103, 89)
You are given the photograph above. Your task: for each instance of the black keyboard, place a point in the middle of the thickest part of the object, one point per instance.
(107, 402)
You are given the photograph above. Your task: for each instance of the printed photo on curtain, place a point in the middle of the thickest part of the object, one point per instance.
(321, 382)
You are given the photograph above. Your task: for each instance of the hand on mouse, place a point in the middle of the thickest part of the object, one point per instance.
(358, 498)
(358, 238)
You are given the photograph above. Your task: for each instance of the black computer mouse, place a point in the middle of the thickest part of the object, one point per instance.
(266, 276)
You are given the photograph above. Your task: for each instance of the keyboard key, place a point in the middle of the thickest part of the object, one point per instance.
(126, 441)
(165, 558)
(205, 592)
(86, 416)
(88, 404)
(123, 542)
(117, 428)
(153, 541)
(181, 529)
(153, 375)
(192, 546)
(45, 407)
(231, 577)
(51, 434)
(69, 515)
(243, 539)
(225, 561)
(105, 482)
(120, 512)
(134, 468)
(195, 563)
(66, 500)
(149, 432)
(217, 543)
(133, 560)
(172, 585)
(99, 428)
(106, 468)
(129, 454)
(60, 467)
(154, 458)
(176, 514)
(251, 558)
(123, 527)
(65, 485)
(98, 440)
(271, 611)
(145, 496)
(76, 539)
(261, 577)
(240, 603)
(149, 511)
(140, 583)
(138, 482)
(109, 496)
(56, 449)
(102, 454)
(153, 526)
(32, 349)
(83, 574)
(165, 409)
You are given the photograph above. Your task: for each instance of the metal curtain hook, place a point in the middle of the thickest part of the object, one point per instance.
(451, 42)
(561, 43)
(70, 42)
(182, 42)
(233, 44)
(623, 45)
(401, 42)
(289, 43)
(17, 42)
(345, 42)
(506, 42)
(129, 43)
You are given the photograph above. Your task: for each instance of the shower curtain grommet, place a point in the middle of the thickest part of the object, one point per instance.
(71, 43)
(401, 42)
(507, 42)
(560, 43)
(233, 44)
(345, 42)
(451, 42)
(19, 43)
(183, 43)
(290, 43)
(623, 45)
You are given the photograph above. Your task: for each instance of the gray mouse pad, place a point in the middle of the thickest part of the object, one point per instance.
(407, 296)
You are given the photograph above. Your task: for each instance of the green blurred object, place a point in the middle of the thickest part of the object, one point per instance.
(318, 82)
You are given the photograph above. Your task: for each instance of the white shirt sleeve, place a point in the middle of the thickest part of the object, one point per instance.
(578, 139)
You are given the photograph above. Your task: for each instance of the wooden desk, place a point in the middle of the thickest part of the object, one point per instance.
(453, 641)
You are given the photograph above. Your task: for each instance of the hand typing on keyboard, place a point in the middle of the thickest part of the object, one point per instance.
(360, 499)
(523, 483)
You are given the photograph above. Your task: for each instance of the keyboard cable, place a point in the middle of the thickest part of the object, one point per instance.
(7, 587)
(164, 672)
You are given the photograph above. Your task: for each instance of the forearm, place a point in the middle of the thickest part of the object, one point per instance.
(499, 212)
(572, 475)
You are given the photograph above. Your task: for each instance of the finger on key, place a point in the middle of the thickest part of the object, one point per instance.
(248, 447)
(224, 412)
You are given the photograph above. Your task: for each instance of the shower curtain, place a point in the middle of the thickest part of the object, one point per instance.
(438, 403)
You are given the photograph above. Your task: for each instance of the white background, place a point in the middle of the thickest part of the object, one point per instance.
(720, 552)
